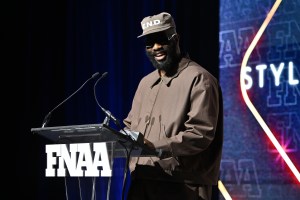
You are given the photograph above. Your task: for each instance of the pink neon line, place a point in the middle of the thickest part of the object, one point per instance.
(249, 103)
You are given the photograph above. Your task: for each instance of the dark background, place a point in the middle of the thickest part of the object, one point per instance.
(57, 45)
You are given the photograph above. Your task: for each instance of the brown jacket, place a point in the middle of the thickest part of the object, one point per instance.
(182, 115)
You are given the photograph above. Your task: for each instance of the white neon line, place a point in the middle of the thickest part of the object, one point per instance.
(223, 191)
(249, 103)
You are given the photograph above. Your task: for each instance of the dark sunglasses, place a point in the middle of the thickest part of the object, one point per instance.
(159, 38)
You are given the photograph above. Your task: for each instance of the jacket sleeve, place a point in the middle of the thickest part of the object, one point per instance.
(136, 102)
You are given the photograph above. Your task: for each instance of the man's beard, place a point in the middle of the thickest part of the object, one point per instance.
(171, 60)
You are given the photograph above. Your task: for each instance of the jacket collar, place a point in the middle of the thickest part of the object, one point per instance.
(184, 62)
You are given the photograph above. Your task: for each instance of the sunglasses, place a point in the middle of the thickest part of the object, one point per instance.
(159, 38)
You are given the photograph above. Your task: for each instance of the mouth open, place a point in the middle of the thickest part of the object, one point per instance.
(160, 56)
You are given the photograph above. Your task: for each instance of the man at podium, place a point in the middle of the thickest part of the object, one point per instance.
(178, 109)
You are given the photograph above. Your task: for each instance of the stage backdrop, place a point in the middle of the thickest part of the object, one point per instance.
(252, 167)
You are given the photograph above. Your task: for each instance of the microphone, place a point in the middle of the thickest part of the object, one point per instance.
(108, 114)
(48, 116)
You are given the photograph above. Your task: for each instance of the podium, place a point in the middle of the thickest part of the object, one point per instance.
(117, 143)
(90, 133)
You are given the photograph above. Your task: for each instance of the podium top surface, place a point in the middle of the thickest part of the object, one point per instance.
(79, 133)
(89, 133)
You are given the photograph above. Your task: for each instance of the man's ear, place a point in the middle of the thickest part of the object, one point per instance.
(177, 37)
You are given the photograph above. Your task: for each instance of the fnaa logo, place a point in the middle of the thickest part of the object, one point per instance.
(83, 159)
(150, 23)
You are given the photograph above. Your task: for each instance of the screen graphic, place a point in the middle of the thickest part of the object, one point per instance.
(260, 43)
